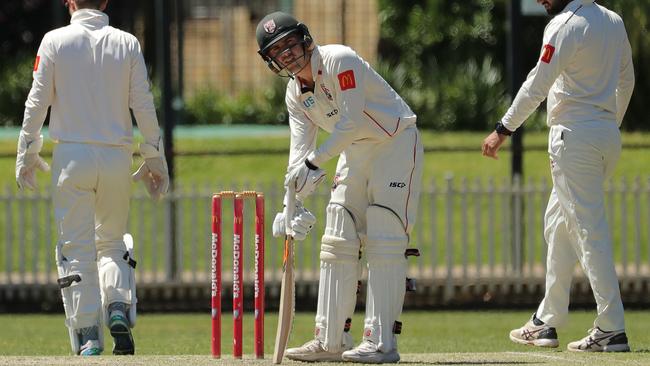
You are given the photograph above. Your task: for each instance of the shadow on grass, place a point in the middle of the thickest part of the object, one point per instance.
(470, 363)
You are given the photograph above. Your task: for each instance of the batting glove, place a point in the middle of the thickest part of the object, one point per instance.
(306, 178)
(28, 161)
(301, 223)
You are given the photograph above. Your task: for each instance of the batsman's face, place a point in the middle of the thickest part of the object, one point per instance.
(553, 7)
(289, 53)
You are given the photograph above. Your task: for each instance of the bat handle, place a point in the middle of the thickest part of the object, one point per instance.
(290, 200)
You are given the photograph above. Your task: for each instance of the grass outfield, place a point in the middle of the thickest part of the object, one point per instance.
(270, 167)
(439, 338)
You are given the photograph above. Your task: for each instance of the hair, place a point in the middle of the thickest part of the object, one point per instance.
(86, 4)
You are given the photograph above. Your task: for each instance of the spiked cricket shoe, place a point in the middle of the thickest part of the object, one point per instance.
(313, 351)
(367, 352)
(121, 333)
(600, 341)
(535, 333)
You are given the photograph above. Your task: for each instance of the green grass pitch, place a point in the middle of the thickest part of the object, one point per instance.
(428, 338)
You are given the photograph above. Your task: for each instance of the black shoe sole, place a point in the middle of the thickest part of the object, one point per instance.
(123, 340)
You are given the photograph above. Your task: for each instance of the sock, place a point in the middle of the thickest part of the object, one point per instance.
(89, 334)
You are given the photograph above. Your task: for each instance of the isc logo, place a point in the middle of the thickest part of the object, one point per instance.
(397, 184)
(334, 112)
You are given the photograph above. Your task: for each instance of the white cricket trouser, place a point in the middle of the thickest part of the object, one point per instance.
(583, 155)
(92, 188)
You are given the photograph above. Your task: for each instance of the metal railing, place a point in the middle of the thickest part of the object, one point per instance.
(468, 232)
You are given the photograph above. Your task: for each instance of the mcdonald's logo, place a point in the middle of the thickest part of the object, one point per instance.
(547, 54)
(346, 80)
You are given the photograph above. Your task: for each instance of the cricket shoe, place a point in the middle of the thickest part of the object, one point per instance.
(313, 351)
(601, 341)
(90, 348)
(121, 332)
(535, 333)
(367, 352)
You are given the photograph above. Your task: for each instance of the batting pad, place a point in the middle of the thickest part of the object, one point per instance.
(385, 248)
(79, 285)
(117, 280)
(338, 277)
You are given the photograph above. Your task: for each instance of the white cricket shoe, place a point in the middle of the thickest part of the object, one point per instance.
(367, 352)
(313, 351)
(535, 333)
(600, 341)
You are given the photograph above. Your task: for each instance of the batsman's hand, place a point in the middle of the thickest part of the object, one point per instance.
(305, 178)
(301, 223)
(492, 143)
(28, 161)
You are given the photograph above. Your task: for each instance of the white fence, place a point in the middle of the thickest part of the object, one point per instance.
(468, 232)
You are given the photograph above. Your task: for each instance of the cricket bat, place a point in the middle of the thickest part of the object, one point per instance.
(288, 286)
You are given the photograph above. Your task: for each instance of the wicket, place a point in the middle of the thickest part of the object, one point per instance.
(238, 274)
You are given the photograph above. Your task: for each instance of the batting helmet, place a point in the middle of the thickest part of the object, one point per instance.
(273, 28)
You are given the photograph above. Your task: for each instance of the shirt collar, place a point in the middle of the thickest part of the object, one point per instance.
(575, 4)
(90, 18)
(315, 62)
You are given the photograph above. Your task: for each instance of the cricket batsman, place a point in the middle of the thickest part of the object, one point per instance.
(374, 198)
(91, 74)
(586, 74)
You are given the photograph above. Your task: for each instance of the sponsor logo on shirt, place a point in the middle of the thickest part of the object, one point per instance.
(547, 53)
(333, 113)
(327, 92)
(397, 184)
(38, 60)
(308, 102)
(346, 80)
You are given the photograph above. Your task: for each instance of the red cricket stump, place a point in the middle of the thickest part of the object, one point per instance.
(237, 277)
(238, 272)
(216, 276)
(259, 276)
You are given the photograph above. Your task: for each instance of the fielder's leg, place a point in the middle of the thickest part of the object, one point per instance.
(336, 291)
(590, 152)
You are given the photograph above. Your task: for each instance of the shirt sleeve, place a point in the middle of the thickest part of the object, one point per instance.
(625, 82)
(560, 45)
(141, 99)
(349, 71)
(42, 91)
(303, 135)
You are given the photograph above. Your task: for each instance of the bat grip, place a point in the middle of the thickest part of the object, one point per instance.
(290, 200)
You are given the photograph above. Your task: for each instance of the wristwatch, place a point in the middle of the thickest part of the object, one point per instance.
(502, 130)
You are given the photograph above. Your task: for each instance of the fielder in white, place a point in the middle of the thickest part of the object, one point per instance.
(376, 187)
(586, 69)
(91, 74)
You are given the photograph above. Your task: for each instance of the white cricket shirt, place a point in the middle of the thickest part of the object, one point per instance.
(585, 67)
(350, 101)
(91, 74)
